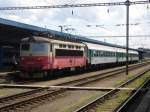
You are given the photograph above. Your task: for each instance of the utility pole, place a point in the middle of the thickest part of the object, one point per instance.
(61, 28)
(127, 35)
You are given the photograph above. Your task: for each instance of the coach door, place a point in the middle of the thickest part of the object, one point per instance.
(89, 55)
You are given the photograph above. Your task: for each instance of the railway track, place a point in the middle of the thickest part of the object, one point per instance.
(38, 95)
(83, 81)
(127, 105)
(91, 107)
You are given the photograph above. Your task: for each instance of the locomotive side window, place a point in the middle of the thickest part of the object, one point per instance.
(63, 52)
(64, 46)
(60, 45)
(69, 46)
(25, 47)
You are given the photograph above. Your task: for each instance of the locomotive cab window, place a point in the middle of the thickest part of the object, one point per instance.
(25, 47)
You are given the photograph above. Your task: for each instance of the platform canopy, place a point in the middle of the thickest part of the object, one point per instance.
(11, 32)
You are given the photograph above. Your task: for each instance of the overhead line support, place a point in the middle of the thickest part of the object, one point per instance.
(73, 5)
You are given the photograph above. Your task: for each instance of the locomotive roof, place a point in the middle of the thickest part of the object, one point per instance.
(42, 39)
(36, 39)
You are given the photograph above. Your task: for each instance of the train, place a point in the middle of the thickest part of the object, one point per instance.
(40, 56)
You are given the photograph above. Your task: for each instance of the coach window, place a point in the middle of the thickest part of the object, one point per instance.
(124, 54)
(101, 53)
(72, 47)
(108, 53)
(111, 54)
(114, 53)
(94, 53)
(105, 54)
(98, 54)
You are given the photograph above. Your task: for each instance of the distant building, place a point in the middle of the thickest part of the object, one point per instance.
(146, 53)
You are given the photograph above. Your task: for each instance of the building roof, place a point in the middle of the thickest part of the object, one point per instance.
(13, 32)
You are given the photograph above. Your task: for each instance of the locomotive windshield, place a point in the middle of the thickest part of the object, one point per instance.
(39, 47)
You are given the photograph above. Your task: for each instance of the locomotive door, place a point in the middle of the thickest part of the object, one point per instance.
(50, 55)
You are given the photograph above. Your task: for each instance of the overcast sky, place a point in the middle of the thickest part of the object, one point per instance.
(109, 19)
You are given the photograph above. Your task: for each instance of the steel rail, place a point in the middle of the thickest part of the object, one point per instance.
(54, 93)
(100, 76)
(66, 83)
(124, 106)
(101, 99)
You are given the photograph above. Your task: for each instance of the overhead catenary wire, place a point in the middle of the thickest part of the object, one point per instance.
(74, 5)
(105, 36)
(127, 3)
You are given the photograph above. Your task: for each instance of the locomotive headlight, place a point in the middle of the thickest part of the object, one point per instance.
(38, 59)
(22, 58)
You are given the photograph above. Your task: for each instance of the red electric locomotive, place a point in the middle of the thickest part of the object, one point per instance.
(40, 56)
